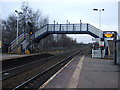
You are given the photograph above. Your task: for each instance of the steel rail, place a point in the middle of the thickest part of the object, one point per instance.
(43, 72)
(17, 70)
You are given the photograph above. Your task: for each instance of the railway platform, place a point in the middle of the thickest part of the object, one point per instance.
(85, 72)
(10, 56)
(13, 56)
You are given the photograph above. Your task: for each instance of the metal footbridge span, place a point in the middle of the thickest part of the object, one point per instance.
(68, 29)
(22, 44)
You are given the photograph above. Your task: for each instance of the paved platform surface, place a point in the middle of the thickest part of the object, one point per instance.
(10, 56)
(85, 72)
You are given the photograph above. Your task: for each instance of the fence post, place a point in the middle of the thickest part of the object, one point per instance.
(73, 27)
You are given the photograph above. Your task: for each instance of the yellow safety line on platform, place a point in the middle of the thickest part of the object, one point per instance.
(75, 77)
(55, 75)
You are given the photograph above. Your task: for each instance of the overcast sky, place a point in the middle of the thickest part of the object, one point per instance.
(71, 10)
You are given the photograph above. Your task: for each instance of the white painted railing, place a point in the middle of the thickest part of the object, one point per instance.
(95, 30)
(41, 31)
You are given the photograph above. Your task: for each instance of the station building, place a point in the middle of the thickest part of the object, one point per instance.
(119, 17)
(118, 41)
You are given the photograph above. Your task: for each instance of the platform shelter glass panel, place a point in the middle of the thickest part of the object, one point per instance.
(63, 27)
(51, 27)
(57, 27)
(77, 27)
(118, 52)
(84, 27)
(70, 27)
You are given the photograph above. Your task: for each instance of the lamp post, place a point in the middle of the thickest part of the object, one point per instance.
(55, 22)
(99, 10)
(67, 23)
(17, 23)
(80, 25)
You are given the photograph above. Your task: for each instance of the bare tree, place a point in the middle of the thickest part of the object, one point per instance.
(37, 20)
(9, 29)
(28, 14)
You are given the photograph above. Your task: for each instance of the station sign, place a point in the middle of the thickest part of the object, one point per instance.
(0, 44)
(101, 44)
(108, 34)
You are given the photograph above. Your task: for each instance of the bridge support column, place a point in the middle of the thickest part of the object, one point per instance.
(115, 49)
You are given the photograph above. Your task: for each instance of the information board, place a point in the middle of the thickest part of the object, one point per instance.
(108, 34)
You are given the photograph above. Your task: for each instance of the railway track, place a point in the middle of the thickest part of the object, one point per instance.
(23, 74)
(11, 63)
(19, 69)
(36, 81)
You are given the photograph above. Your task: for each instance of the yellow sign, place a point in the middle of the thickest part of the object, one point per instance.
(108, 35)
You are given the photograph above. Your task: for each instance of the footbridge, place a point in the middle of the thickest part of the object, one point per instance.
(23, 42)
(68, 29)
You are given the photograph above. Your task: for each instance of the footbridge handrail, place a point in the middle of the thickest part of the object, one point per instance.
(17, 41)
(41, 31)
(95, 31)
